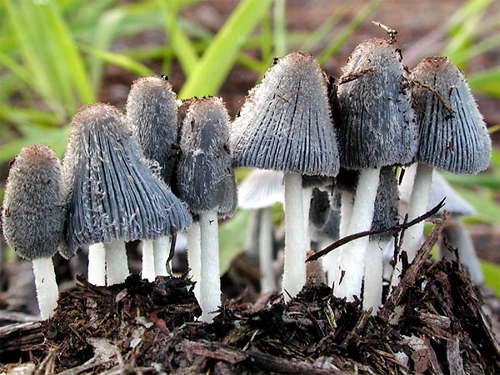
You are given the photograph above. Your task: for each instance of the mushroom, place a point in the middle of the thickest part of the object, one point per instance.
(207, 184)
(286, 125)
(111, 196)
(260, 190)
(385, 216)
(33, 217)
(152, 115)
(453, 137)
(378, 130)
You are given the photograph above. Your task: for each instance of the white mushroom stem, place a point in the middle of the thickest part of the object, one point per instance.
(194, 256)
(331, 260)
(372, 292)
(148, 261)
(97, 264)
(306, 201)
(458, 236)
(210, 291)
(116, 262)
(47, 291)
(161, 249)
(413, 236)
(267, 275)
(294, 276)
(353, 256)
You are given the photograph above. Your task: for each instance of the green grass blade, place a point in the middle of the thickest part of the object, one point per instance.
(486, 82)
(339, 41)
(232, 237)
(120, 61)
(491, 276)
(280, 34)
(177, 41)
(218, 59)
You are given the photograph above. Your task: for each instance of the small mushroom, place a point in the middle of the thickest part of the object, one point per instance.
(111, 196)
(152, 115)
(207, 184)
(378, 130)
(33, 217)
(453, 137)
(286, 125)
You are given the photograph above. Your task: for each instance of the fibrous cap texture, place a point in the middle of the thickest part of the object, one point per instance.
(205, 176)
(33, 214)
(152, 115)
(378, 127)
(453, 135)
(110, 193)
(285, 123)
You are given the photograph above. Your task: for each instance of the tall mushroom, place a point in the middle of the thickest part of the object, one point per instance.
(152, 115)
(378, 130)
(33, 217)
(111, 196)
(286, 125)
(207, 184)
(453, 137)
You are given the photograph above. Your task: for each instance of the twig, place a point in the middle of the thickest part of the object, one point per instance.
(392, 33)
(440, 98)
(411, 273)
(355, 236)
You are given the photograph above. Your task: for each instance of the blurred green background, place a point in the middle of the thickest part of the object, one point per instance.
(57, 55)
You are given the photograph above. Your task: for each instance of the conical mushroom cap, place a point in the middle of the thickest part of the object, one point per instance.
(205, 175)
(453, 136)
(152, 115)
(33, 216)
(378, 126)
(110, 192)
(285, 123)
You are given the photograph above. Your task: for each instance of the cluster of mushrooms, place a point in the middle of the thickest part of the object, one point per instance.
(167, 167)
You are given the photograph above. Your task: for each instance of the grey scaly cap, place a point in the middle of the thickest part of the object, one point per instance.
(152, 115)
(453, 135)
(378, 127)
(110, 193)
(33, 216)
(286, 123)
(205, 175)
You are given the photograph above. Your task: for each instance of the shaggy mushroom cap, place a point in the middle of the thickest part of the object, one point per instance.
(33, 216)
(110, 192)
(453, 135)
(285, 123)
(378, 127)
(152, 115)
(205, 175)
(324, 219)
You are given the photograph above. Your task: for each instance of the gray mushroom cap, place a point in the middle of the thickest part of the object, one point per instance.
(110, 192)
(205, 175)
(378, 127)
(33, 215)
(324, 219)
(454, 203)
(152, 115)
(285, 123)
(453, 135)
(386, 213)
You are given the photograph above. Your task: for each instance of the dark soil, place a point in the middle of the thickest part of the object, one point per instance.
(432, 323)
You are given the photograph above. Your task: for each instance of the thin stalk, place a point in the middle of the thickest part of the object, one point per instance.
(148, 261)
(353, 256)
(267, 276)
(116, 262)
(294, 276)
(161, 249)
(374, 268)
(194, 256)
(97, 264)
(47, 291)
(210, 280)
